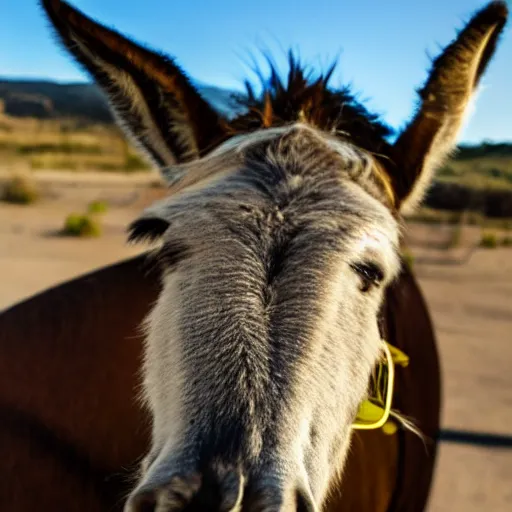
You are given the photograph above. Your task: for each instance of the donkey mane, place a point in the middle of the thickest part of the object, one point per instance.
(308, 97)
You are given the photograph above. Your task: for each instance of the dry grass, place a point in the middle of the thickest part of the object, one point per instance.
(66, 145)
(484, 166)
(436, 217)
(19, 190)
(482, 173)
(73, 145)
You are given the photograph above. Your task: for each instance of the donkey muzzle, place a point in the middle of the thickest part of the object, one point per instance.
(219, 489)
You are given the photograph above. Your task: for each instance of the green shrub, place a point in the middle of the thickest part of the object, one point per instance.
(20, 190)
(489, 241)
(97, 207)
(58, 163)
(507, 241)
(132, 163)
(447, 170)
(473, 219)
(456, 237)
(135, 163)
(408, 258)
(80, 225)
(106, 166)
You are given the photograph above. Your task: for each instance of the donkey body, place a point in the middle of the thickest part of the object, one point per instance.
(278, 245)
(72, 433)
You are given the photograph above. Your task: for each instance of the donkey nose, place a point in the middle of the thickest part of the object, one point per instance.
(199, 493)
(217, 492)
(272, 499)
(174, 496)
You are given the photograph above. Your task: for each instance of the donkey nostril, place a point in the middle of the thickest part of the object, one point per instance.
(172, 496)
(304, 502)
(144, 502)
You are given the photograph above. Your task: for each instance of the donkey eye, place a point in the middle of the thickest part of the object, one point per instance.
(370, 273)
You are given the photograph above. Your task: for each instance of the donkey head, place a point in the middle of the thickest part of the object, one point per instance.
(278, 239)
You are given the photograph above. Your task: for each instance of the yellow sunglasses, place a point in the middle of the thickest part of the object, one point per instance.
(375, 411)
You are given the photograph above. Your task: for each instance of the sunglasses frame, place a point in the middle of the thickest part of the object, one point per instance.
(390, 383)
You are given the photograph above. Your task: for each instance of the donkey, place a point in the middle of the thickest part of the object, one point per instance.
(277, 246)
(71, 433)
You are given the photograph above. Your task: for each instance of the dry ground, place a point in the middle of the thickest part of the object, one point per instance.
(469, 294)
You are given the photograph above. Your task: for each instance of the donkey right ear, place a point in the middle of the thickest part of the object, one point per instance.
(430, 137)
(152, 98)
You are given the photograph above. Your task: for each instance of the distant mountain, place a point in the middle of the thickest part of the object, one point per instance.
(47, 100)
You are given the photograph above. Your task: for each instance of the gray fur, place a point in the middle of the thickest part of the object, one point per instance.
(235, 341)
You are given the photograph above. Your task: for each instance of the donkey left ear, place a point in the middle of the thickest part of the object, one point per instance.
(154, 101)
(432, 134)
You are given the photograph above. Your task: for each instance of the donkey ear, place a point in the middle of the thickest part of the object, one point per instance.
(431, 135)
(151, 97)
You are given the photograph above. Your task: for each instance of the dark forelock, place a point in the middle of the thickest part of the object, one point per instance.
(303, 96)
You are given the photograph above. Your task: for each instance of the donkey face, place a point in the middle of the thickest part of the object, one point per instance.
(260, 346)
(278, 239)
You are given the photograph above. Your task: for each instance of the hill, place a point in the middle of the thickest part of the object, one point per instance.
(51, 100)
(49, 125)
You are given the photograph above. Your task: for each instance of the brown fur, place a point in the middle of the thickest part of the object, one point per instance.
(71, 431)
(303, 97)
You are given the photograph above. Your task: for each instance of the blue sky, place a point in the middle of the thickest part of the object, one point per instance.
(383, 46)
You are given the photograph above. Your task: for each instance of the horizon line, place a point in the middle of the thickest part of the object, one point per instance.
(201, 83)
